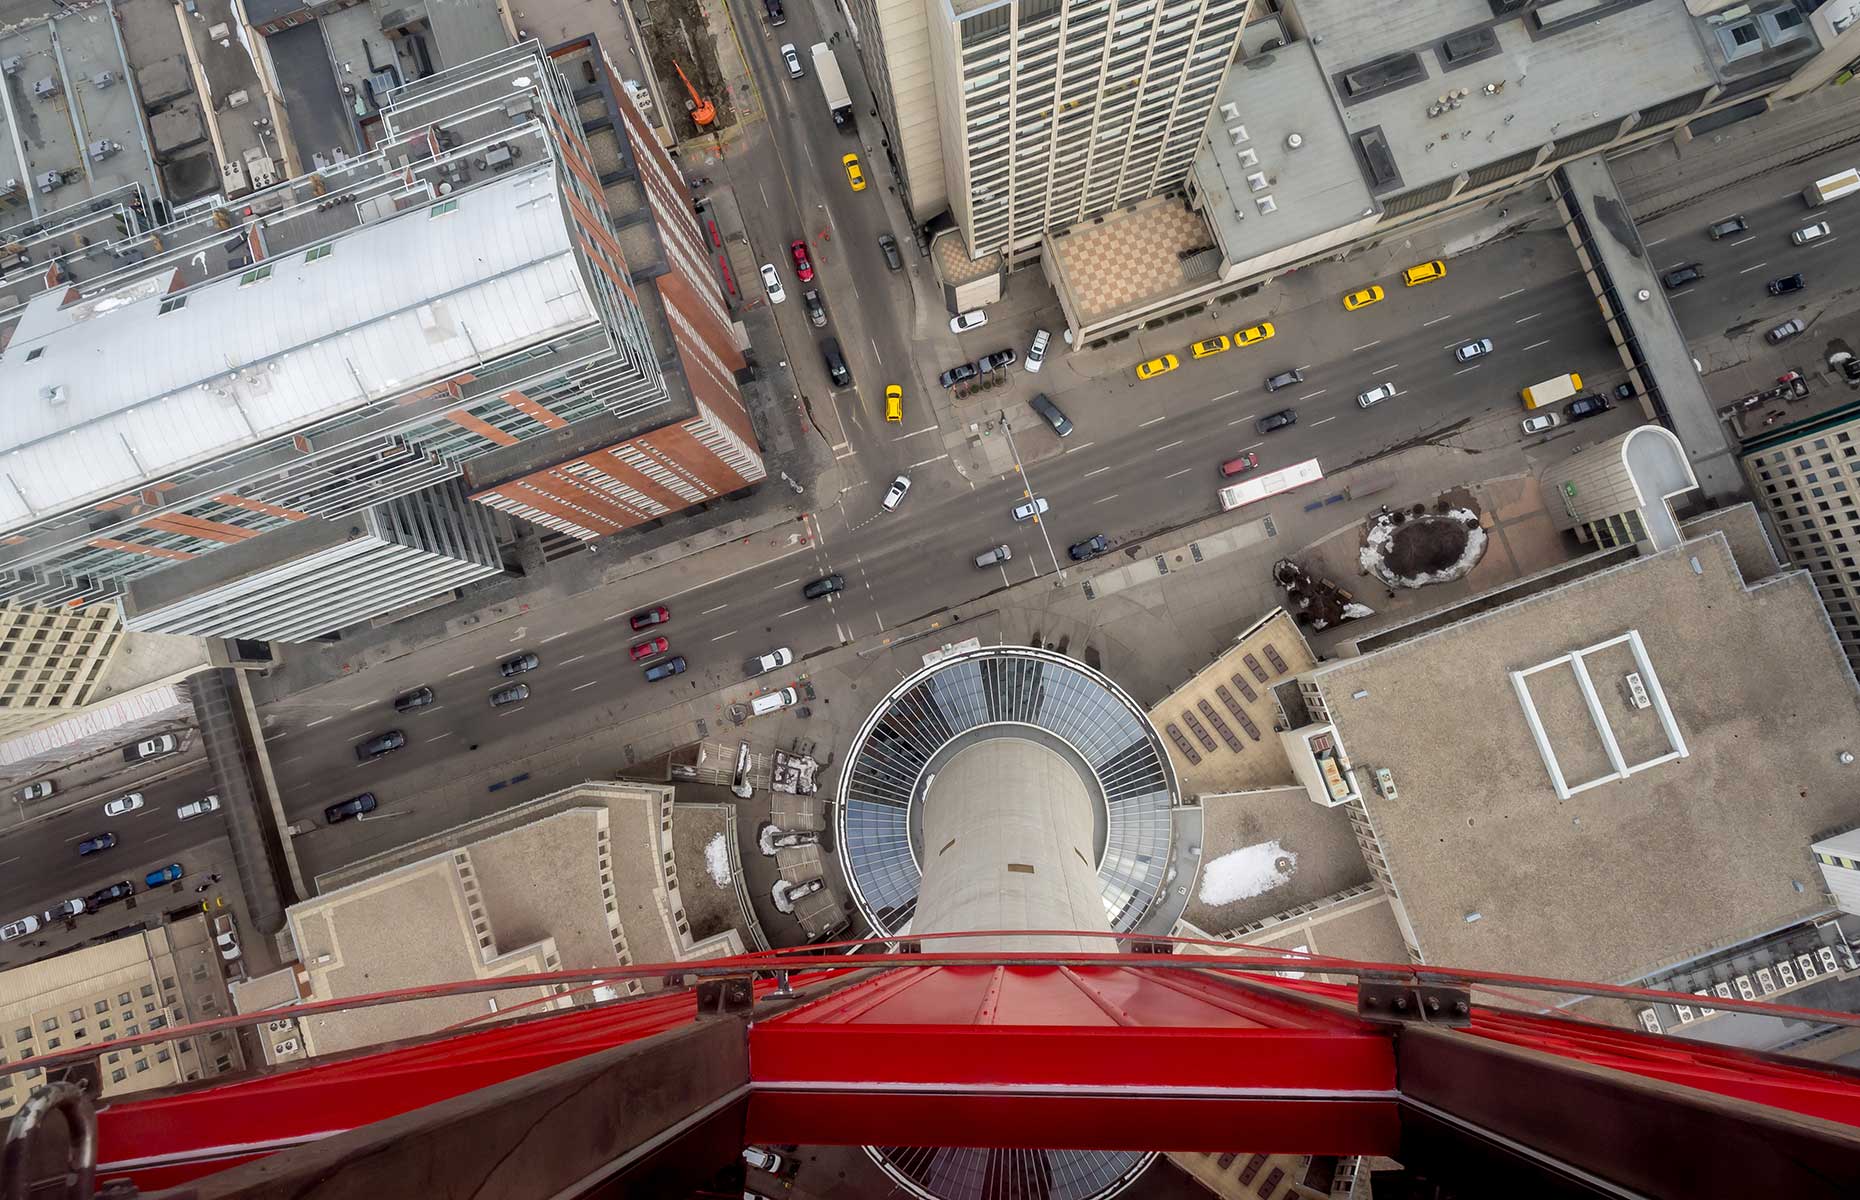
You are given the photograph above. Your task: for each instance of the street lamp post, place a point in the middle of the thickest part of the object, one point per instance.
(1027, 488)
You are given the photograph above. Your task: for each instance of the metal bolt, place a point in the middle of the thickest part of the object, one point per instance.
(1433, 1004)
(1461, 1008)
(1401, 1004)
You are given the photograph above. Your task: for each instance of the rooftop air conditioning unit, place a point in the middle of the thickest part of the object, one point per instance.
(1637, 691)
(10, 65)
(1685, 1013)
(53, 393)
(1650, 1021)
(287, 1046)
(102, 79)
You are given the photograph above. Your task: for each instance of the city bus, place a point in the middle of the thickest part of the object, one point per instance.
(1257, 487)
(1551, 390)
(1833, 187)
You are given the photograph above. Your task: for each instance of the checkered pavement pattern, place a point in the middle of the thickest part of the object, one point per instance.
(1130, 259)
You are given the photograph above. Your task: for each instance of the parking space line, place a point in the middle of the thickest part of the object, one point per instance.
(721, 636)
(1237, 420)
(1390, 367)
(361, 706)
(1107, 499)
(436, 737)
(566, 661)
(791, 612)
(1097, 471)
(1436, 320)
(460, 671)
(1681, 292)
(709, 611)
(1170, 446)
(1224, 395)
(588, 684)
(1183, 471)
(1652, 244)
(1474, 367)
(913, 433)
(1152, 421)
(778, 587)
(1254, 446)
(318, 721)
(554, 636)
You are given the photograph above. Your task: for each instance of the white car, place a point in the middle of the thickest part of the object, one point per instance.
(975, 318)
(894, 495)
(1803, 237)
(1472, 350)
(1375, 395)
(1541, 422)
(36, 791)
(1036, 353)
(19, 928)
(198, 808)
(1030, 508)
(793, 60)
(123, 804)
(774, 660)
(771, 283)
(762, 1160)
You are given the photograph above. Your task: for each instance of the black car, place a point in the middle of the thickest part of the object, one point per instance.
(1089, 549)
(110, 895)
(1680, 276)
(957, 374)
(381, 743)
(516, 666)
(1588, 406)
(675, 665)
(1062, 425)
(96, 842)
(1787, 284)
(837, 370)
(1624, 391)
(1284, 379)
(889, 245)
(414, 701)
(1727, 227)
(1277, 420)
(997, 360)
(816, 312)
(516, 693)
(826, 585)
(776, 15)
(354, 806)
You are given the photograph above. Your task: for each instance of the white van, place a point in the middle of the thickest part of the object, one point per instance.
(763, 705)
(198, 808)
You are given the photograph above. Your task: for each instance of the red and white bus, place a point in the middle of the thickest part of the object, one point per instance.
(1270, 483)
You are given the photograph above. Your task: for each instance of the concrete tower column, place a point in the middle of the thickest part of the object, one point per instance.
(1007, 844)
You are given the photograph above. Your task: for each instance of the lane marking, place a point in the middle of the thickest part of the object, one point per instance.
(1757, 267)
(1183, 471)
(791, 612)
(721, 636)
(926, 462)
(1474, 367)
(1314, 395)
(1224, 395)
(318, 721)
(1254, 446)
(604, 620)
(1681, 292)
(1099, 471)
(1170, 446)
(575, 659)
(913, 433)
(778, 587)
(1534, 345)
(1086, 446)
(1509, 295)
(460, 671)
(588, 684)
(1237, 420)
(1436, 320)
(362, 705)
(1532, 317)
(1365, 346)
(1653, 243)
(1107, 499)
(1741, 241)
(1302, 367)
(709, 611)
(1390, 367)
(1317, 423)
(1152, 421)
(437, 737)
(554, 636)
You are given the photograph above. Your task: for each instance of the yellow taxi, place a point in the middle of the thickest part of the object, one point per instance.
(1363, 298)
(894, 403)
(1158, 366)
(1214, 345)
(854, 175)
(1259, 333)
(1425, 272)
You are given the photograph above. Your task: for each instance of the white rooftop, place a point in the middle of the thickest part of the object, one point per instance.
(110, 393)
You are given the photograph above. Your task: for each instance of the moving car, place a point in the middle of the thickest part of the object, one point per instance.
(1062, 424)
(826, 585)
(835, 362)
(527, 661)
(199, 808)
(760, 1159)
(675, 665)
(774, 660)
(1727, 227)
(37, 790)
(167, 874)
(1028, 509)
(1239, 466)
(415, 700)
(816, 311)
(1218, 344)
(154, 747)
(889, 245)
(516, 693)
(803, 265)
(1258, 333)
(650, 617)
(123, 804)
(989, 558)
(1276, 420)
(1036, 353)
(1284, 379)
(975, 318)
(793, 59)
(1541, 421)
(648, 648)
(771, 283)
(96, 843)
(1362, 298)
(894, 403)
(776, 15)
(1425, 272)
(1375, 395)
(1787, 284)
(1472, 350)
(20, 928)
(354, 806)
(1157, 366)
(957, 374)
(1588, 406)
(999, 360)
(121, 890)
(1088, 549)
(1809, 233)
(1786, 330)
(380, 744)
(894, 495)
(854, 175)
(1683, 274)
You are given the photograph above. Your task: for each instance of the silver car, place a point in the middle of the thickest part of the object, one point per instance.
(1028, 509)
(1472, 350)
(1375, 395)
(894, 495)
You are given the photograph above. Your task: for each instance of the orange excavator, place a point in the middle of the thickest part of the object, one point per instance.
(703, 112)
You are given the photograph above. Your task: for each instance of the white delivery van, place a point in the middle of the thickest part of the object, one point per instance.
(775, 701)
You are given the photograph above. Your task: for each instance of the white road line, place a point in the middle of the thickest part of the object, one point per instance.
(926, 462)
(318, 721)
(1183, 471)
(1474, 367)
(1509, 295)
(1224, 395)
(1824, 241)
(1532, 317)
(791, 612)
(604, 620)
(709, 611)
(848, 454)
(281, 762)
(778, 587)
(588, 684)
(1303, 367)
(554, 636)
(1741, 241)
(460, 671)
(1098, 471)
(1534, 345)
(575, 659)
(1757, 267)
(1107, 499)
(913, 433)
(1653, 243)
(1237, 420)
(1453, 345)
(875, 353)
(1170, 446)
(1320, 422)
(438, 736)
(361, 706)
(1365, 346)
(1390, 367)
(1314, 395)
(1086, 446)
(721, 636)
(1681, 292)
(1254, 446)
(1436, 320)
(1151, 421)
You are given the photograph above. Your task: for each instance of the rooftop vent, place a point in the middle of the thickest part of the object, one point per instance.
(1239, 134)
(1249, 159)
(1230, 111)
(1266, 204)
(1257, 181)
(1294, 140)
(53, 394)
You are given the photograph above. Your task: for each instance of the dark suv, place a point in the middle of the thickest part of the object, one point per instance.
(1284, 379)
(516, 666)
(1727, 227)
(776, 15)
(1062, 425)
(1278, 420)
(957, 374)
(1088, 549)
(826, 585)
(889, 245)
(415, 700)
(110, 895)
(380, 744)
(837, 370)
(1680, 276)
(1787, 284)
(674, 665)
(1588, 406)
(997, 360)
(354, 806)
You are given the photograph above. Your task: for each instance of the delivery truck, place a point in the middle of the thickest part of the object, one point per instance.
(832, 85)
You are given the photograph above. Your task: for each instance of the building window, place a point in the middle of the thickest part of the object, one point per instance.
(316, 252)
(148, 989)
(142, 1064)
(118, 1075)
(123, 998)
(253, 276)
(34, 353)
(76, 1015)
(103, 1022)
(23, 1035)
(162, 1055)
(170, 304)
(51, 1043)
(442, 208)
(48, 1024)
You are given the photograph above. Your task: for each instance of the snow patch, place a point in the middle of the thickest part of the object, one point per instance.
(1247, 872)
(1356, 612)
(717, 860)
(779, 894)
(1375, 546)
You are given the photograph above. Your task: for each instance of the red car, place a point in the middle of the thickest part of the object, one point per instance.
(803, 269)
(648, 648)
(651, 617)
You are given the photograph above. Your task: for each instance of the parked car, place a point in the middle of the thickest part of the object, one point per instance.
(774, 660)
(64, 910)
(776, 15)
(1362, 298)
(803, 266)
(1726, 227)
(648, 648)
(998, 554)
(650, 617)
(1028, 509)
(1258, 333)
(1810, 233)
(957, 374)
(415, 700)
(198, 808)
(1284, 379)
(1588, 406)
(161, 875)
(1786, 330)
(122, 890)
(1220, 343)
(1472, 350)
(154, 747)
(1375, 395)
(96, 843)
(889, 246)
(226, 937)
(1157, 366)
(675, 665)
(354, 806)
(997, 361)
(1539, 422)
(123, 804)
(1787, 284)
(854, 176)
(1276, 420)
(1239, 466)
(1683, 274)
(380, 744)
(793, 58)
(816, 311)
(894, 495)
(826, 585)
(1425, 272)
(20, 928)
(763, 1160)
(1036, 353)
(38, 789)
(975, 318)
(1049, 412)
(1088, 549)
(516, 693)
(527, 661)
(771, 283)
(835, 362)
